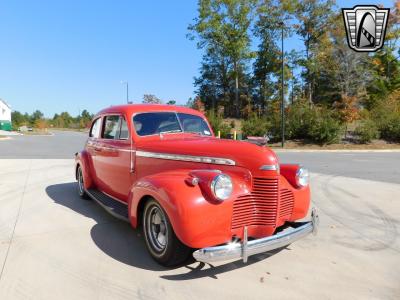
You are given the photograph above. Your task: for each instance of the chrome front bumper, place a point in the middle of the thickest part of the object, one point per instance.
(247, 248)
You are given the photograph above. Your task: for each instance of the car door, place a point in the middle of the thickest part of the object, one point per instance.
(92, 147)
(113, 163)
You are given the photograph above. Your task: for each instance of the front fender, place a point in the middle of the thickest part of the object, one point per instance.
(301, 194)
(197, 220)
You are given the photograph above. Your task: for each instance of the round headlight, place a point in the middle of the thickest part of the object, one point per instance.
(302, 177)
(222, 186)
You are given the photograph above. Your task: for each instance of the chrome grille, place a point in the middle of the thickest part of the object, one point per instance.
(258, 208)
(286, 204)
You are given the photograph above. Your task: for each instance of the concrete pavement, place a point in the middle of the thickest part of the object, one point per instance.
(53, 245)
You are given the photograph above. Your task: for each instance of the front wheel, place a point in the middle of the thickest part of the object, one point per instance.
(160, 238)
(81, 186)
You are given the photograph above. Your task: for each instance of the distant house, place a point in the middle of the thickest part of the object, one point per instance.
(5, 116)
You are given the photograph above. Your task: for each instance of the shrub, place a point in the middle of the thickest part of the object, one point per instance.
(273, 118)
(367, 131)
(255, 126)
(314, 123)
(299, 120)
(225, 130)
(325, 129)
(386, 115)
(218, 124)
(390, 130)
(41, 124)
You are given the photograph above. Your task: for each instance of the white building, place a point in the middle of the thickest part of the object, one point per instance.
(5, 115)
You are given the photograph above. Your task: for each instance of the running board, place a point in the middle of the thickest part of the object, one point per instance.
(112, 206)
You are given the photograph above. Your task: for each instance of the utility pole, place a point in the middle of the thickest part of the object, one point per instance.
(282, 92)
(127, 90)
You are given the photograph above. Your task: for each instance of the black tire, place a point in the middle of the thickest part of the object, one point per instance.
(161, 241)
(81, 187)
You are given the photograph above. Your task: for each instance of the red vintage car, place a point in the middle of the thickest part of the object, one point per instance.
(162, 169)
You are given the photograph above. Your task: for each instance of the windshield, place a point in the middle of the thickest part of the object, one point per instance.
(169, 122)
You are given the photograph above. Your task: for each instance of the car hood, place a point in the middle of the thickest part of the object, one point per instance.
(243, 153)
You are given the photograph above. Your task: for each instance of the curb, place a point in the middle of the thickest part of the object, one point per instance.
(51, 134)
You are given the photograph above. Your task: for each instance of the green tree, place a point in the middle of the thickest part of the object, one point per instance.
(313, 18)
(171, 102)
(151, 99)
(272, 17)
(36, 115)
(84, 119)
(222, 28)
(385, 64)
(266, 65)
(214, 81)
(18, 119)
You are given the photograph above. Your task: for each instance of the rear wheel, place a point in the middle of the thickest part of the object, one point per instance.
(161, 241)
(81, 186)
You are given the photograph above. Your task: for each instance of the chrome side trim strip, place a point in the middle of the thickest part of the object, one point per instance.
(200, 159)
(112, 149)
(269, 167)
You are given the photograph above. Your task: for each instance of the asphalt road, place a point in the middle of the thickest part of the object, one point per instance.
(61, 144)
(364, 165)
(377, 166)
(53, 245)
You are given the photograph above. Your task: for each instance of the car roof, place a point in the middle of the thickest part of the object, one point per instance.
(130, 109)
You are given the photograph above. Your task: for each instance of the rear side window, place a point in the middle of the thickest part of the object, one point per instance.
(115, 128)
(111, 128)
(95, 130)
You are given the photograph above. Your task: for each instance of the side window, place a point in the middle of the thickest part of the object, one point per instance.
(124, 133)
(111, 127)
(95, 130)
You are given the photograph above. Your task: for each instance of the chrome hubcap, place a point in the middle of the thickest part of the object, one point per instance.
(156, 227)
(80, 182)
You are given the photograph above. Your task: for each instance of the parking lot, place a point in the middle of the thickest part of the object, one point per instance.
(53, 245)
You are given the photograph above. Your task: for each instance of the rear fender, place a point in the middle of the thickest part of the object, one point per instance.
(82, 159)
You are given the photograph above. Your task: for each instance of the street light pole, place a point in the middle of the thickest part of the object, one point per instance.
(127, 91)
(282, 93)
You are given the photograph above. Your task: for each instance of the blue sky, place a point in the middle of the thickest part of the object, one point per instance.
(72, 55)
